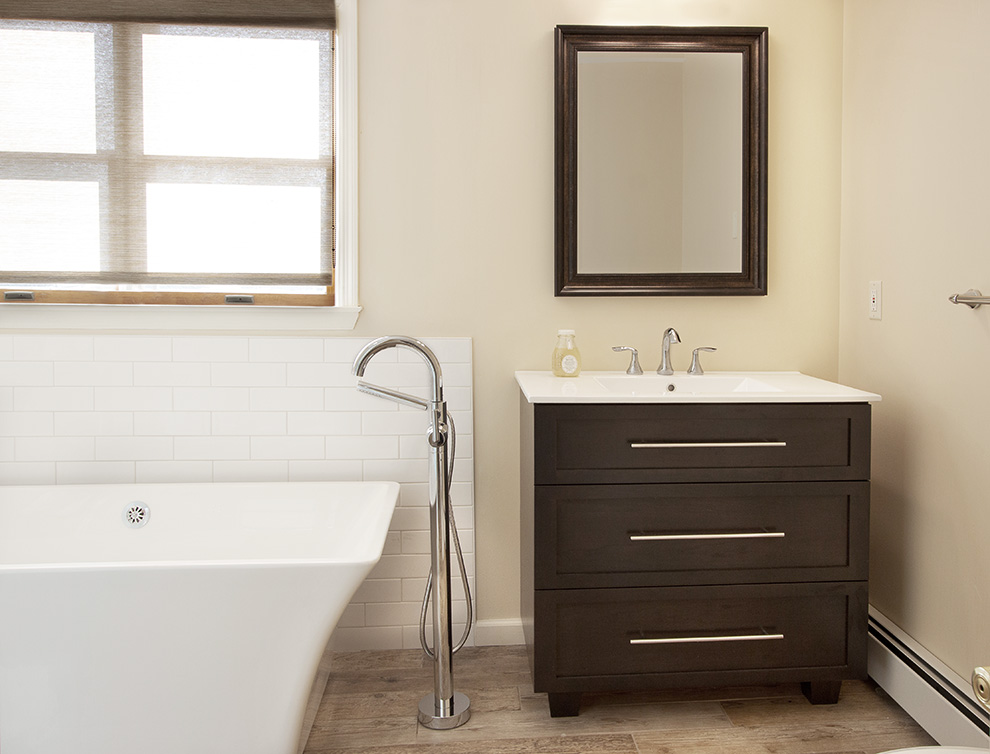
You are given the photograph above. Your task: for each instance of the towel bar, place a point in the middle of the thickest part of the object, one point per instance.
(972, 298)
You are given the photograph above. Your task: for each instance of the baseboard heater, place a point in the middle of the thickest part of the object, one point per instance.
(940, 701)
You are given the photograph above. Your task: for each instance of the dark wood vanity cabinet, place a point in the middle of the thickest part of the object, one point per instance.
(694, 545)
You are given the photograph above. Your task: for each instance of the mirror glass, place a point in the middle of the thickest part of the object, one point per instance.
(661, 161)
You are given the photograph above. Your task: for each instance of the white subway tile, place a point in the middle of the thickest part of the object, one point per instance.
(345, 350)
(172, 374)
(286, 399)
(159, 472)
(133, 448)
(393, 543)
(352, 616)
(364, 448)
(30, 449)
(413, 494)
(285, 349)
(396, 470)
(237, 374)
(324, 471)
(456, 375)
(400, 566)
(6, 450)
(324, 423)
(458, 400)
(288, 448)
(94, 423)
(99, 472)
(27, 473)
(211, 398)
(174, 423)
(321, 375)
(32, 373)
(250, 471)
(6, 399)
(93, 373)
(211, 448)
(392, 613)
(411, 518)
(53, 399)
(414, 446)
(450, 350)
(380, 590)
(416, 542)
(27, 423)
(463, 514)
(125, 398)
(7, 349)
(128, 348)
(52, 347)
(394, 422)
(249, 422)
(413, 588)
(210, 348)
(366, 638)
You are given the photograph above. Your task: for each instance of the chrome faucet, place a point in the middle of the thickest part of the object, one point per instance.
(669, 336)
(444, 708)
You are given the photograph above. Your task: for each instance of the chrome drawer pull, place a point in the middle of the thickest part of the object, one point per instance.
(766, 444)
(727, 535)
(702, 639)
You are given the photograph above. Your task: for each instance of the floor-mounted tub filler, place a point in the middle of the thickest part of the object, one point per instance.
(175, 618)
(445, 708)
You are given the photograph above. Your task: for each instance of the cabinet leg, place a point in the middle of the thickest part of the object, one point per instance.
(822, 692)
(566, 704)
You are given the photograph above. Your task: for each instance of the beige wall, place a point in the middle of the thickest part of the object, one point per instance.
(915, 195)
(456, 171)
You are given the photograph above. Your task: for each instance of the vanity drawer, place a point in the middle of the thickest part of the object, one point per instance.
(667, 534)
(695, 635)
(627, 443)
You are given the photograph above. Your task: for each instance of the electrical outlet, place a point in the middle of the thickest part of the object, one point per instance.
(876, 302)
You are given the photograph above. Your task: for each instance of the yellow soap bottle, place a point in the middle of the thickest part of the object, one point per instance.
(566, 356)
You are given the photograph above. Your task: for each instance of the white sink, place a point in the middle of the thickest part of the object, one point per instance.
(680, 387)
(706, 384)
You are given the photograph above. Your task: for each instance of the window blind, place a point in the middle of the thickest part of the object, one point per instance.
(299, 14)
(167, 155)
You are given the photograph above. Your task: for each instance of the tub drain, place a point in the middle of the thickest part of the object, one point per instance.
(136, 515)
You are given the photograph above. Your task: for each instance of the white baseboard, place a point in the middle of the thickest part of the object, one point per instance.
(499, 632)
(939, 699)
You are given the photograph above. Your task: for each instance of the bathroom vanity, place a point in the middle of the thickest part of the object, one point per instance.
(693, 531)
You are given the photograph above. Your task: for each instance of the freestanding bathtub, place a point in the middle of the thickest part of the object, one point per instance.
(175, 618)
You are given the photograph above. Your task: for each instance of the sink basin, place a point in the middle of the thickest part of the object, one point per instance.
(706, 384)
(680, 387)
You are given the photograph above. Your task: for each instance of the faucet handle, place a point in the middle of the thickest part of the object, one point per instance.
(695, 367)
(634, 367)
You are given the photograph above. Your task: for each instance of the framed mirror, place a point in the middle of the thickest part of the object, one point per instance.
(661, 161)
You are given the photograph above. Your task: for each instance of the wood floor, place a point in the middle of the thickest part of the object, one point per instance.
(372, 698)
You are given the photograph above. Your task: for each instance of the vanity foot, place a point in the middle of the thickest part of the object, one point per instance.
(822, 692)
(566, 704)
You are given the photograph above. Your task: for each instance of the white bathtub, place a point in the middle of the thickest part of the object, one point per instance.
(199, 632)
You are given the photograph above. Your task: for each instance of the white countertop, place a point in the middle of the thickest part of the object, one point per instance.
(711, 387)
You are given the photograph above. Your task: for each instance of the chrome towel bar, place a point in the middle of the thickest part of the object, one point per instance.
(972, 298)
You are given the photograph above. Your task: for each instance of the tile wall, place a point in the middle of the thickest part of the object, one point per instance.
(87, 409)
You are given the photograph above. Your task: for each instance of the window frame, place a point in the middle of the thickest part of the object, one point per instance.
(270, 314)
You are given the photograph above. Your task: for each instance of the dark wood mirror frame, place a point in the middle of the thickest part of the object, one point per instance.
(751, 42)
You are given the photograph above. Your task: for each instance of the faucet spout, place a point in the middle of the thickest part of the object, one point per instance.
(399, 341)
(669, 336)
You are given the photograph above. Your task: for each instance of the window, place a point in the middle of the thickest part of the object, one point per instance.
(146, 161)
